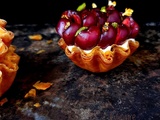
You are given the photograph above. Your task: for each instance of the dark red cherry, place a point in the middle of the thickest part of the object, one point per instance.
(101, 16)
(108, 36)
(114, 16)
(101, 19)
(87, 39)
(96, 11)
(132, 25)
(69, 33)
(134, 30)
(88, 18)
(87, 28)
(62, 25)
(122, 33)
(73, 16)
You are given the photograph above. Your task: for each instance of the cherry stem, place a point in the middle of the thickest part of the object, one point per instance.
(80, 29)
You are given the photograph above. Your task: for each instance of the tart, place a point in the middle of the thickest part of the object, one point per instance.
(8, 58)
(98, 39)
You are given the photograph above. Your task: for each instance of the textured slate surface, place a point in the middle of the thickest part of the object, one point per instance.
(128, 92)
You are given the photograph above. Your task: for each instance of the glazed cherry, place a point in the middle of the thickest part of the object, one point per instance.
(122, 33)
(87, 28)
(101, 16)
(72, 16)
(132, 25)
(88, 18)
(101, 19)
(113, 16)
(108, 36)
(87, 39)
(62, 25)
(69, 33)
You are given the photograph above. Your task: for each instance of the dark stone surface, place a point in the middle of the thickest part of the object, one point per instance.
(129, 92)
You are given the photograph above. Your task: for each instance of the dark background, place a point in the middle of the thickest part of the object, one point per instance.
(49, 11)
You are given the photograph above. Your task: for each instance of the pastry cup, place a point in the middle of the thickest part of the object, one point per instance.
(8, 69)
(8, 58)
(97, 59)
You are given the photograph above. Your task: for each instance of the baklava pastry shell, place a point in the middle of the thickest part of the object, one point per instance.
(8, 58)
(98, 60)
(8, 69)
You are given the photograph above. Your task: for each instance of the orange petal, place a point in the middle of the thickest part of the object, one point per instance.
(42, 85)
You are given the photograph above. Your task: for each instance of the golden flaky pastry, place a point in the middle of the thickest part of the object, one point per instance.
(98, 60)
(8, 58)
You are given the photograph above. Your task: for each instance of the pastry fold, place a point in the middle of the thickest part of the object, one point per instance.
(8, 58)
(98, 60)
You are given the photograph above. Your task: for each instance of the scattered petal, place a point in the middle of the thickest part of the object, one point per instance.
(3, 101)
(40, 51)
(37, 105)
(35, 37)
(31, 94)
(49, 41)
(42, 85)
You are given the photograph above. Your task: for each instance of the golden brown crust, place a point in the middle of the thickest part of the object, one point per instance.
(8, 59)
(8, 68)
(98, 60)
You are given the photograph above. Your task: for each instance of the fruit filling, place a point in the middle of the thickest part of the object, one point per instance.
(103, 27)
